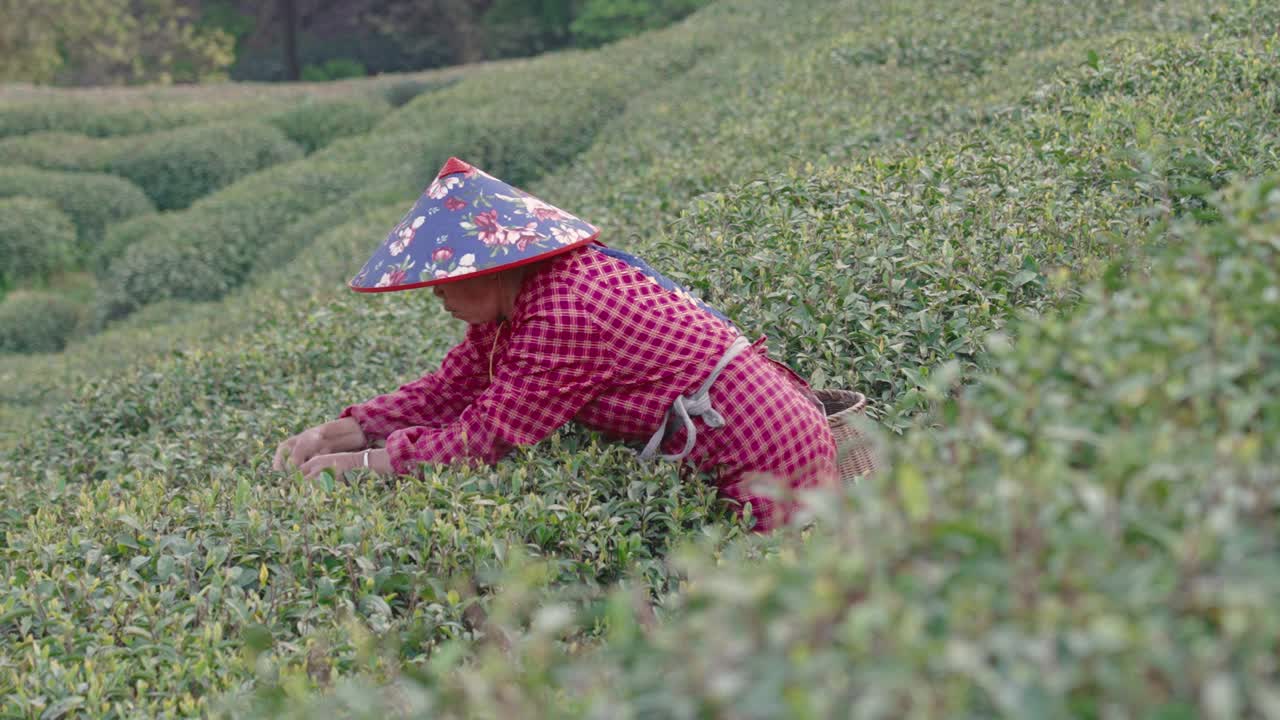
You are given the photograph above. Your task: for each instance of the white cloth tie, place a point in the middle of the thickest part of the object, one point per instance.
(687, 407)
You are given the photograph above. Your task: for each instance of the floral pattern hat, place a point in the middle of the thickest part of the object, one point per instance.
(469, 223)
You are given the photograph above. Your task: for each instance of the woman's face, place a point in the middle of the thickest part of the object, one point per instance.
(474, 300)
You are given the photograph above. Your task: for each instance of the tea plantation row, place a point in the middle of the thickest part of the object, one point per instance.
(115, 112)
(753, 88)
(96, 182)
(173, 167)
(264, 220)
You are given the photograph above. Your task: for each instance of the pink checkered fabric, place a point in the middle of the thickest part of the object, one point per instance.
(596, 341)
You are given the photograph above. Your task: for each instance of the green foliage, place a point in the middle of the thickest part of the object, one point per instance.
(170, 261)
(605, 21)
(72, 114)
(1089, 531)
(100, 42)
(110, 112)
(333, 69)
(928, 250)
(399, 156)
(518, 28)
(36, 240)
(37, 322)
(316, 124)
(225, 16)
(449, 32)
(120, 236)
(174, 167)
(158, 267)
(91, 200)
(1027, 167)
(177, 167)
(70, 152)
(408, 554)
(1020, 227)
(556, 121)
(403, 91)
(329, 251)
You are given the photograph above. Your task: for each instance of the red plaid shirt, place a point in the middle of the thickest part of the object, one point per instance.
(594, 340)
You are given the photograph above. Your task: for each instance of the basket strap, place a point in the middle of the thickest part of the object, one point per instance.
(664, 282)
(687, 407)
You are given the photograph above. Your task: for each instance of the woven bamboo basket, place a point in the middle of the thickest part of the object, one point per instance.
(855, 452)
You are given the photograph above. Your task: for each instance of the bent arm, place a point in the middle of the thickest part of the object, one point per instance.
(554, 364)
(437, 398)
(343, 434)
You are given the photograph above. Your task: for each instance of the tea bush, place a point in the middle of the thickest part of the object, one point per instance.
(526, 119)
(758, 320)
(91, 200)
(31, 387)
(239, 222)
(1089, 531)
(57, 151)
(36, 240)
(85, 117)
(556, 122)
(930, 252)
(174, 167)
(605, 21)
(445, 537)
(177, 167)
(798, 94)
(112, 112)
(157, 268)
(331, 253)
(37, 322)
(403, 91)
(389, 185)
(120, 236)
(315, 124)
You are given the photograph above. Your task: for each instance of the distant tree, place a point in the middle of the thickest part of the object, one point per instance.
(420, 24)
(288, 14)
(29, 48)
(108, 42)
(293, 17)
(515, 28)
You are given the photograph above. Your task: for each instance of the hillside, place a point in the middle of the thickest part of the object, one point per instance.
(1040, 237)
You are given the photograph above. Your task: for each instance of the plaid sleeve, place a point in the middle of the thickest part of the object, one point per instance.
(435, 399)
(554, 363)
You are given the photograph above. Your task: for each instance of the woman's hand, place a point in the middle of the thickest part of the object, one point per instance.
(339, 436)
(339, 463)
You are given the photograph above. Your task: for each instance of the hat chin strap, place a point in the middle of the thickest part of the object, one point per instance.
(509, 292)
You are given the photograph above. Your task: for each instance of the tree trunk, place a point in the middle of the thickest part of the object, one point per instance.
(462, 26)
(289, 26)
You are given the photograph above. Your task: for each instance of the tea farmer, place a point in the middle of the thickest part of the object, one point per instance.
(561, 328)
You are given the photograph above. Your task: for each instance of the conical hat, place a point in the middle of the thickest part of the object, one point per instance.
(469, 223)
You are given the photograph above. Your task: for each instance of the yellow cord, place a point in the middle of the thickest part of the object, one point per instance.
(494, 349)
